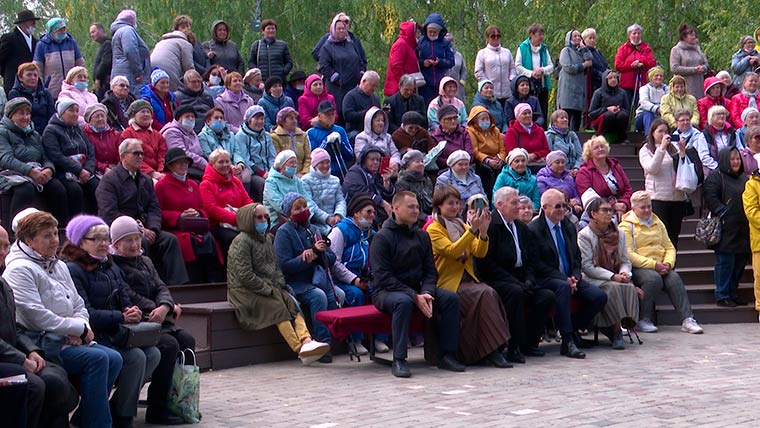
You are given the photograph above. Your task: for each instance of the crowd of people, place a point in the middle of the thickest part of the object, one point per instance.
(309, 193)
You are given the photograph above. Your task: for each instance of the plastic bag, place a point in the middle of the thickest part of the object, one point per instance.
(185, 391)
(686, 176)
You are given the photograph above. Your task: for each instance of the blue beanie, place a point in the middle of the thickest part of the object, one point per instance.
(287, 202)
(157, 75)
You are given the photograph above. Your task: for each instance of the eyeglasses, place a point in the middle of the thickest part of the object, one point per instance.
(97, 239)
(560, 206)
(122, 85)
(137, 153)
(605, 210)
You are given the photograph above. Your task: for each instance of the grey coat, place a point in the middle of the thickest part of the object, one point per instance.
(571, 89)
(683, 59)
(173, 54)
(227, 53)
(131, 56)
(596, 275)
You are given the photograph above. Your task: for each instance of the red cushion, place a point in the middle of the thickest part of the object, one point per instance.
(363, 319)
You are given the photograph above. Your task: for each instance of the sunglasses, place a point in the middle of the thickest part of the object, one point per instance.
(560, 206)
(137, 153)
(122, 85)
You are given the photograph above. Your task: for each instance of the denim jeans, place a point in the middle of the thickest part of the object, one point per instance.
(354, 297)
(315, 300)
(97, 367)
(729, 268)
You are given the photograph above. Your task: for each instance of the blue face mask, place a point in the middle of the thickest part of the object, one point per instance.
(28, 129)
(262, 227)
(217, 126)
(59, 37)
(81, 86)
(290, 171)
(103, 129)
(484, 125)
(188, 123)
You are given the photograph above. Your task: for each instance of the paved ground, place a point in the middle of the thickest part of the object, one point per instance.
(673, 380)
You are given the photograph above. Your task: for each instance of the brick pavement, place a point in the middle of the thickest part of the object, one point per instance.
(673, 380)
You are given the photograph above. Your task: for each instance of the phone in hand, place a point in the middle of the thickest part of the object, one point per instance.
(385, 163)
(479, 205)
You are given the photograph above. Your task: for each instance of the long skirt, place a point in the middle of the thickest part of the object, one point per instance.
(622, 302)
(483, 326)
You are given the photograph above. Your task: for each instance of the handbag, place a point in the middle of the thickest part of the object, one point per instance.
(185, 390)
(686, 177)
(197, 225)
(140, 335)
(50, 343)
(419, 79)
(708, 230)
(203, 244)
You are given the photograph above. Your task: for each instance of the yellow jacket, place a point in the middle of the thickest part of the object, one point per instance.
(485, 144)
(751, 200)
(650, 244)
(445, 253)
(670, 104)
(282, 141)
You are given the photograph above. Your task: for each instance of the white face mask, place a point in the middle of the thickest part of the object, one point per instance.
(215, 80)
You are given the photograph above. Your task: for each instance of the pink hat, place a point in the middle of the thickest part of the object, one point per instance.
(521, 108)
(318, 155)
(127, 15)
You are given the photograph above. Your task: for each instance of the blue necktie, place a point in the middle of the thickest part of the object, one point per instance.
(562, 249)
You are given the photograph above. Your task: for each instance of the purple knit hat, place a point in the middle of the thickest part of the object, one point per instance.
(283, 113)
(80, 225)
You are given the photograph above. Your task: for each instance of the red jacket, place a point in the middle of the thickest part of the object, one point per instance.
(535, 142)
(154, 147)
(217, 192)
(106, 147)
(704, 104)
(174, 197)
(738, 103)
(626, 55)
(402, 58)
(589, 176)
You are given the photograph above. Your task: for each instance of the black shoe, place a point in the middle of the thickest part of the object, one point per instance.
(530, 351)
(515, 356)
(164, 417)
(123, 422)
(569, 349)
(739, 301)
(326, 359)
(498, 360)
(400, 369)
(726, 303)
(448, 362)
(617, 340)
(582, 343)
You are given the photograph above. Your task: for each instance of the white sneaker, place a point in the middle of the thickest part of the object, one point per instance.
(646, 326)
(381, 347)
(313, 349)
(360, 349)
(689, 325)
(308, 360)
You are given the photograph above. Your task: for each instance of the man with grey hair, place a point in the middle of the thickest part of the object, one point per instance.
(126, 191)
(508, 267)
(633, 59)
(358, 100)
(191, 93)
(403, 101)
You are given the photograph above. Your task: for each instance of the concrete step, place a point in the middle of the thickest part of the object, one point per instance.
(705, 294)
(704, 275)
(708, 314)
(695, 258)
(199, 293)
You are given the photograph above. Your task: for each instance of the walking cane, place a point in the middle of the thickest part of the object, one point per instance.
(636, 87)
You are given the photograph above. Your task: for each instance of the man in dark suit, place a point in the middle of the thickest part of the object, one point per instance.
(508, 267)
(17, 47)
(558, 268)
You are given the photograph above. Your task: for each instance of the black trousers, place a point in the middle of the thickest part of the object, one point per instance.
(53, 198)
(445, 314)
(671, 213)
(167, 257)
(574, 117)
(593, 300)
(81, 196)
(169, 344)
(19, 403)
(224, 237)
(527, 310)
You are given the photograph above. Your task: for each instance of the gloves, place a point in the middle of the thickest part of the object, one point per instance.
(333, 137)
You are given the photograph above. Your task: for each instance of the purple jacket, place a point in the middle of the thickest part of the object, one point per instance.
(459, 139)
(177, 136)
(749, 162)
(233, 110)
(548, 180)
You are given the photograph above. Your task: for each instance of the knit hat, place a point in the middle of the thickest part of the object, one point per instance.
(482, 83)
(55, 24)
(156, 75)
(183, 109)
(119, 79)
(271, 81)
(80, 225)
(252, 111)
(447, 110)
(175, 154)
(747, 111)
(723, 73)
(744, 40)
(63, 104)
(554, 156)
(138, 105)
(127, 15)
(283, 157)
(296, 76)
(521, 108)
(250, 73)
(435, 26)
(409, 157)
(325, 107)
(515, 153)
(588, 196)
(14, 104)
(287, 202)
(124, 226)
(318, 155)
(413, 118)
(20, 216)
(92, 108)
(456, 156)
(654, 70)
(283, 113)
(357, 203)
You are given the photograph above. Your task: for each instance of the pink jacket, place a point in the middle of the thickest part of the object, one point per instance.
(309, 101)
(84, 99)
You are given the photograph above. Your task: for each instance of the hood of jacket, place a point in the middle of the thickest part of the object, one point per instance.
(435, 18)
(118, 24)
(368, 120)
(174, 35)
(213, 30)
(548, 173)
(724, 161)
(471, 121)
(307, 88)
(710, 82)
(210, 174)
(443, 83)
(517, 82)
(369, 148)
(671, 83)
(569, 39)
(408, 32)
(246, 221)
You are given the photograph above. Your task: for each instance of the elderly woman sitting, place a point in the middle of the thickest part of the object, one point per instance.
(75, 87)
(216, 134)
(650, 99)
(233, 100)
(29, 85)
(653, 257)
(413, 178)
(117, 101)
(487, 145)
(526, 134)
(609, 108)
(365, 177)
(484, 328)
(516, 174)
(256, 152)
(159, 96)
(288, 136)
(153, 143)
(281, 180)
(605, 263)
(47, 301)
(222, 194)
(256, 286)
(153, 298)
(180, 133)
(104, 138)
(107, 299)
(556, 176)
(193, 94)
(305, 258)
(325, 191)
(450, 136)
(461, 176)
(603, 174)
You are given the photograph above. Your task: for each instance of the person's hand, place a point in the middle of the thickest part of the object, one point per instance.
(587, 63)
(640, 292)
(320, 245)
(533, 157)
(620, 207)
(30, 365)
(159, 314)
(48, 172)
(573, 284)
(211, 54)
(477, 221)
(636, 64)
(84, 176)
(387, 175)
(38, 176)
(177, 311)
(699, 69)
(619, 277)
(37, 359)
(486, 216)
(237, 169)
(682, 147)
(156, 175)
(427, 63)
(536, 74)
(665, 142)
(139, 78)
(314, 120)
(149, 235)
(72, 340)
(308, 255)
(574, 172)
(424, 302)
(387, 207)
(132, 315)
(662, 268)
(190, 212)
(333, 219)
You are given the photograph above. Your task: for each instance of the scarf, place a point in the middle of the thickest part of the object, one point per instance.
(455, 228)
(527, 128)
(606, 254)
(235, 96)
(560, 131)
(752, 97)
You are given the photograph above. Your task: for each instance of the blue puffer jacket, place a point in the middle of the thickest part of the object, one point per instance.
(43, 106)
(327, 195)
(525, 184)
(276, 187)
(439, 48)
(159, 113)
(211, 141)
(355, 246)
(271, 106)
(317, 137)
(255, 148)
(569, 144)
